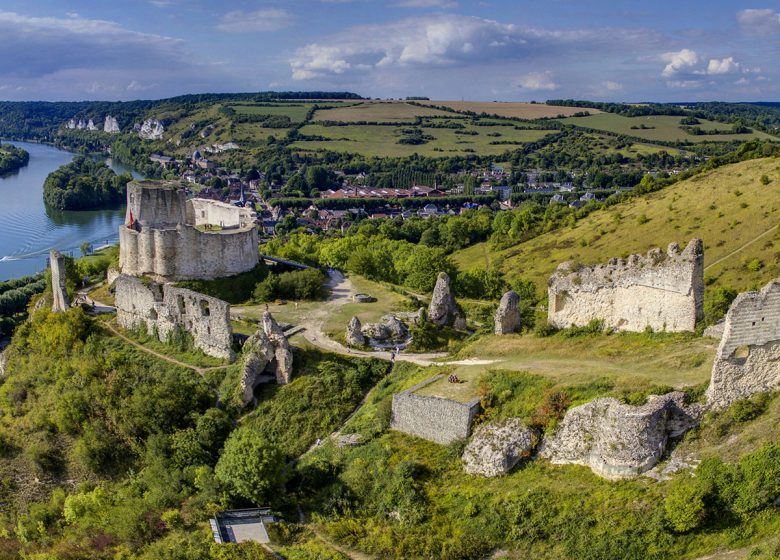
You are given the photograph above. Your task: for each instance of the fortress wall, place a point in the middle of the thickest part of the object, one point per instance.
(664, 291)
(617, 440)
(202, 211)
(60, 301)
(165, 308)
(433, 418)
(155, 203)
(748, 357)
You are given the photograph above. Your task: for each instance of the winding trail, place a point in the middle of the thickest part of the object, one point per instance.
(739, 249)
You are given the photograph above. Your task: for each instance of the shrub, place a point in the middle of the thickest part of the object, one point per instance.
(295, 285)
(250, 467)
(684, 505)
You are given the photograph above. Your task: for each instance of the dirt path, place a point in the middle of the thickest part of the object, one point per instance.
(731, 254)
(341, 292)
(347, 552)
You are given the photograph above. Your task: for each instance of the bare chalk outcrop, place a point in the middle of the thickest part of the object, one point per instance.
(663, 291)
(617, 440)
(497, 447)
(354, 333)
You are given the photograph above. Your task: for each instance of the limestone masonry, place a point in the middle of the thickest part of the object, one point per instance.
(164, 309)
(171, 238)
(59, 293)
(664, 291)
(432, 418)
(748, 357)
(617, 440)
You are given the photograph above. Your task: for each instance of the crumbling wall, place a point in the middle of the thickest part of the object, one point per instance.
(617, 440)
(60, 301)
(201, 211)
(663, 291)
(164, 309)
(157, 239)
(748, 357)
(432, 418)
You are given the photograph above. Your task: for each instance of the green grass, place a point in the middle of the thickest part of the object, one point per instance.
(630, 361)
(295, 111)
(377, 111)
(666, 128)
(727, 208)
(374, 140)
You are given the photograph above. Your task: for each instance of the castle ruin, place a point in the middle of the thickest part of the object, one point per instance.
(663, 291)
(169, 238)
(59, 292)
(748, 356)
(163, 308)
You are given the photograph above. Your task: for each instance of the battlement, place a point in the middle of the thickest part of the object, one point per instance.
(664, 291)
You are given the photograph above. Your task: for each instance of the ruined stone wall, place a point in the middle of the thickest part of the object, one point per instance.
(60, 301)
(433, 418)
(201, 212)
(617, 440)
(157, 240)
(664, 291)
(748, 357)
(165, 308)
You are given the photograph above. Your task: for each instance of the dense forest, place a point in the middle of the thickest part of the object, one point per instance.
(12, 158)
(84, 184)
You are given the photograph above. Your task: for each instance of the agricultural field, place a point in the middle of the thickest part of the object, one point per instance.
(378, 111)
(382, 140)
(514, 110)
(295, 111)
(659, 128)
(730, 208)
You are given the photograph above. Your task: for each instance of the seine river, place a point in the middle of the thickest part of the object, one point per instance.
(28, 230)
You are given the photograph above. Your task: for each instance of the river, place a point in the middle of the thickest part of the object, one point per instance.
(28, 230)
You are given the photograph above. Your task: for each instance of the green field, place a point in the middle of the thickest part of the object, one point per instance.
(377, 140)
(728, 208)
(665, 128)
(378, 111)
(296, 111)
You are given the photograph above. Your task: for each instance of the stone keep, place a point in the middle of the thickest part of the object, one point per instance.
(59, 293)
(164, 236)
(663, 291)
(617, 440)
(748, 357)
(164, 308)
(433, 418)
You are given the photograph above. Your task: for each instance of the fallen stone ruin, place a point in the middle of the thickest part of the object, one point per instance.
(507, 319)
(663, 291)
(497, 447)
(748, 356)
(443, 310)
(267, 355)
(59, 293)
(617, 440)
(164, 309)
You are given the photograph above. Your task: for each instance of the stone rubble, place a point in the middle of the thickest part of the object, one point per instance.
(354, 333)
(496, 448)
(507, 318)
(443, 310)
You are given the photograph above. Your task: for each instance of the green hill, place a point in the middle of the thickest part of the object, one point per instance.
(734, 209)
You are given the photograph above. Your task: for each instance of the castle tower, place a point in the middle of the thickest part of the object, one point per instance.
(59, 293)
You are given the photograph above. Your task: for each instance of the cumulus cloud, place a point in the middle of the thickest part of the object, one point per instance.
(723, 66)
(679, 62)
(447, 41)
(271, 19)
(764, 21)
(538, 81)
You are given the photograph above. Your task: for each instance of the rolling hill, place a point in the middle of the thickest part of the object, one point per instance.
(731, 209)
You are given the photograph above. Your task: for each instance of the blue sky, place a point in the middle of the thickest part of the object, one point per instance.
(445, 49)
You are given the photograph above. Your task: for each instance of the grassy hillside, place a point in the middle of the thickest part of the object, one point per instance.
(731, 209)
(516, 110)
(659, 127)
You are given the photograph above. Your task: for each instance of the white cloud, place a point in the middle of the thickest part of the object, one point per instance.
(426, 4)
(679, 62)
(611, 86)
(764, 21)
(451, 41)
(723, 66)
(538, 81)
(271, 19)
